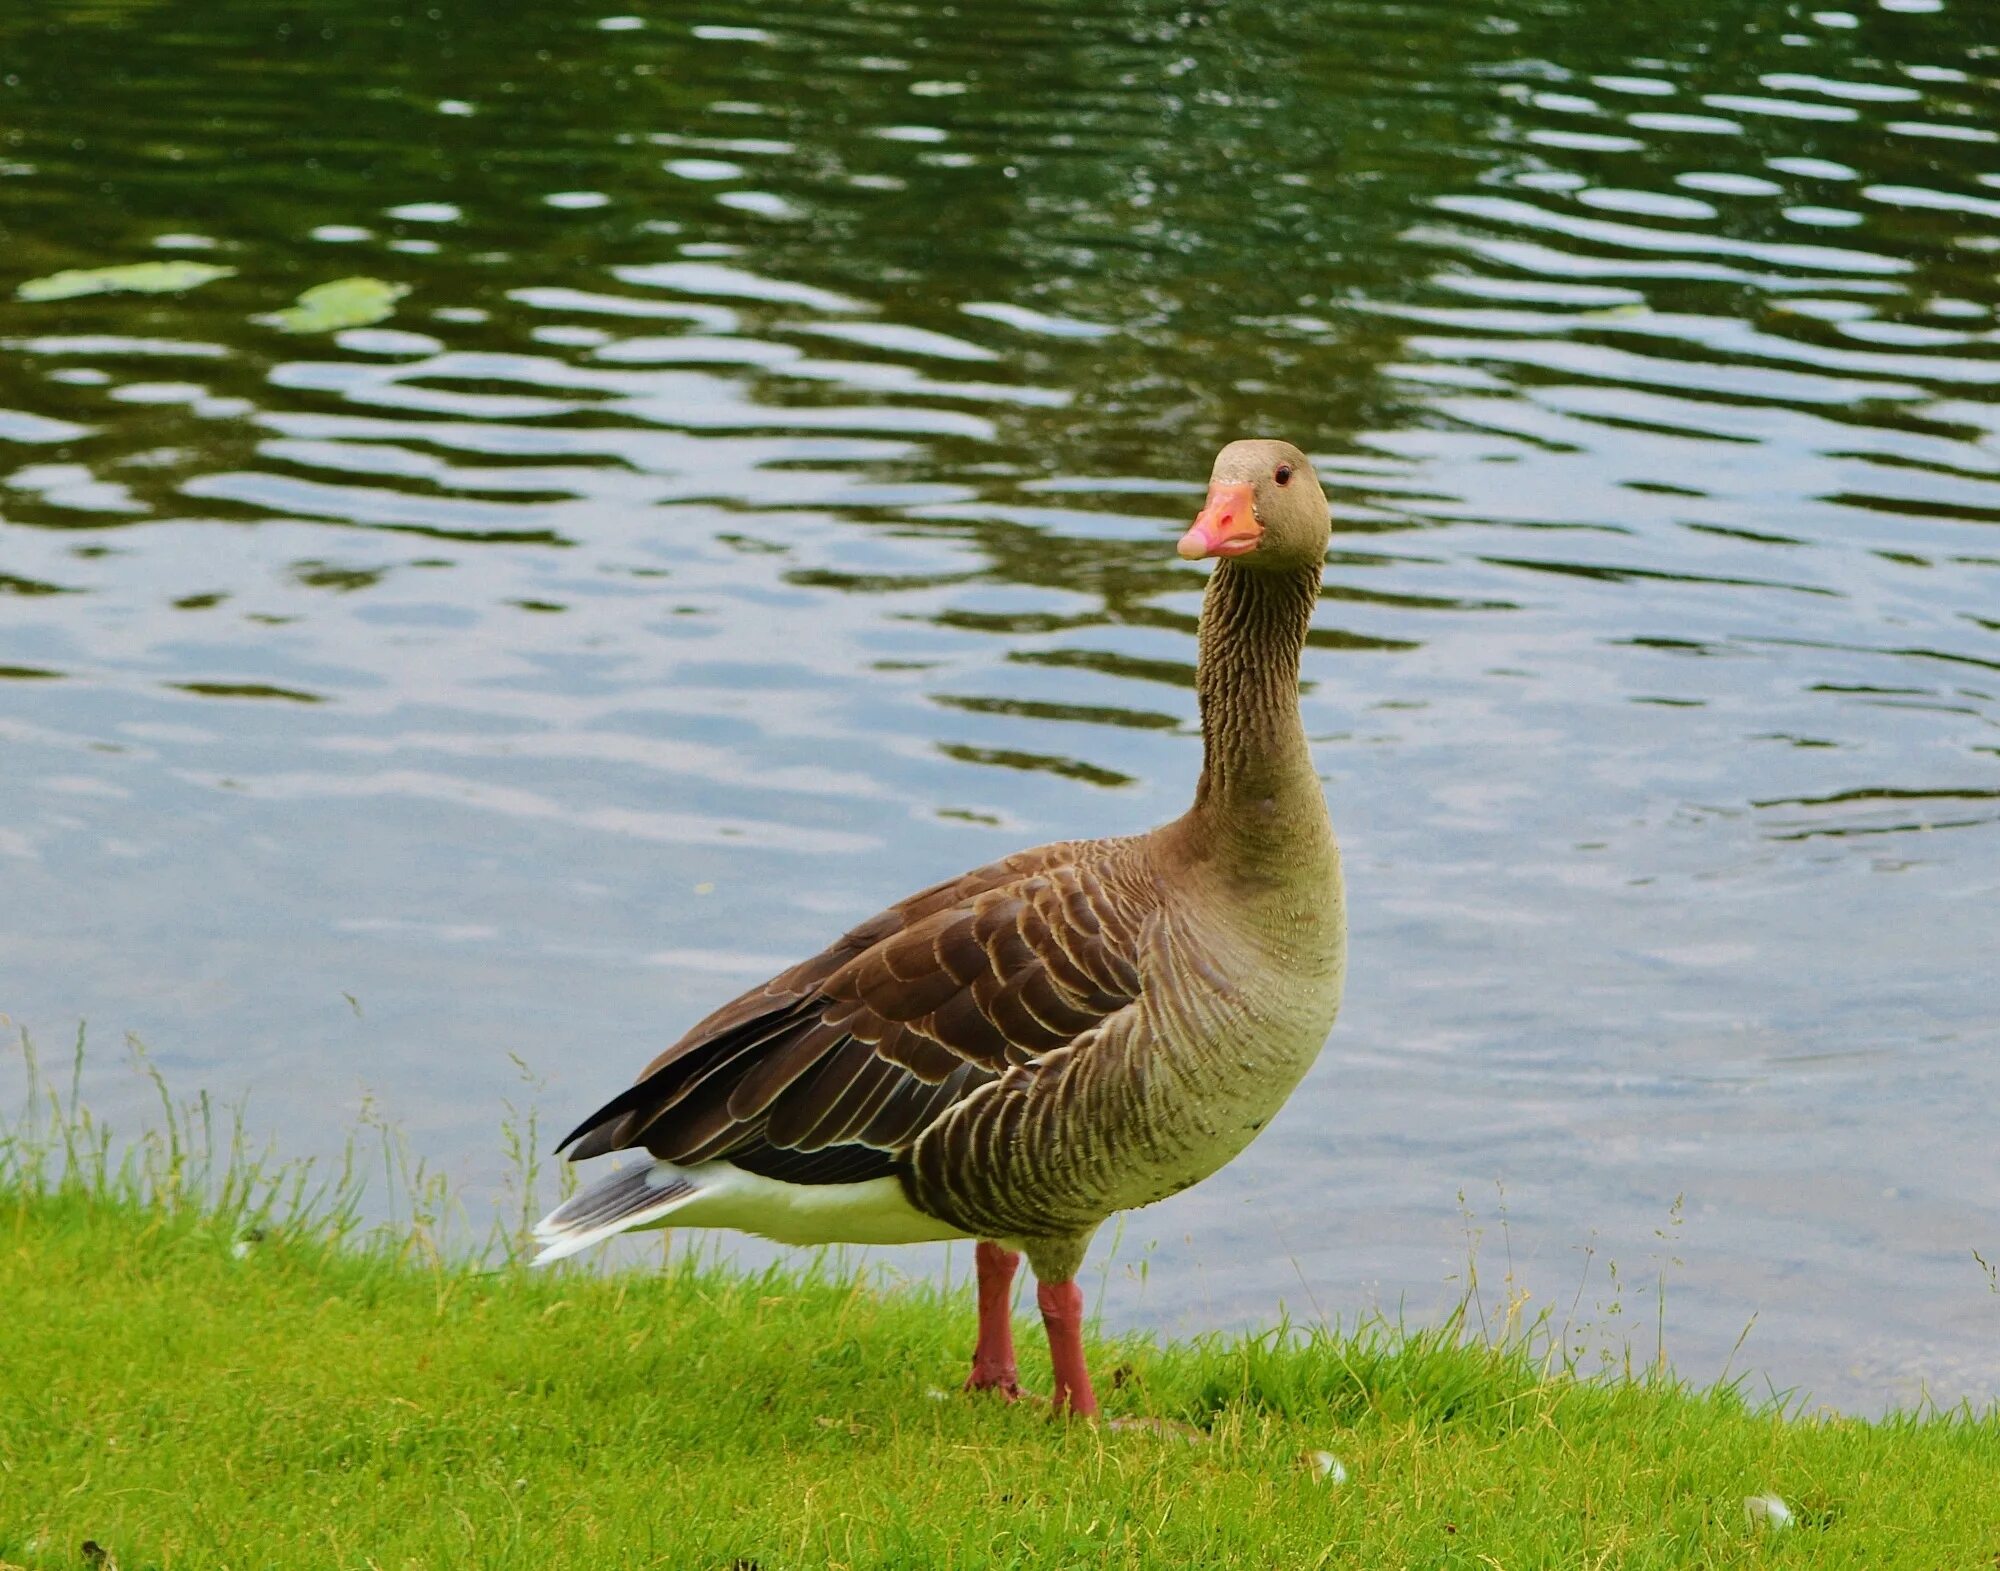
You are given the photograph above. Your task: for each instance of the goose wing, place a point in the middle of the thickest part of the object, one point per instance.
(829, 1072)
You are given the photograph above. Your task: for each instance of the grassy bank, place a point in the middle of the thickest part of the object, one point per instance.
(177, 1393)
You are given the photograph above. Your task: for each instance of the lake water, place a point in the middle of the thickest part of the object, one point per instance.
(762, 504)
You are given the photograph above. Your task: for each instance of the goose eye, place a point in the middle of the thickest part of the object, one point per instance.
(1284, 475)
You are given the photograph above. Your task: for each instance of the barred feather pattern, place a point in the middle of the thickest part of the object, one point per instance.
(832, 1071)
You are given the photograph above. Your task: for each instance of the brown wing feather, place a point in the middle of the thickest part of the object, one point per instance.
(832, 1069)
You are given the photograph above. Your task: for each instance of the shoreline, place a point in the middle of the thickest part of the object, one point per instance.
(221, 1385)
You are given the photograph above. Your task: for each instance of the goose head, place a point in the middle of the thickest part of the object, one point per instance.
(1265, 509)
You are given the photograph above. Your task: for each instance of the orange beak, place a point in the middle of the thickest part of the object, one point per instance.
(1226, 526)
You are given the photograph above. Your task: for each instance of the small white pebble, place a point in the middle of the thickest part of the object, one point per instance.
(1328, 1466)
(1767, 1511)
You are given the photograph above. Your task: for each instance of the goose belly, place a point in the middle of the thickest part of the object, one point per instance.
(1163, 1095)
(1239, 1011)
(1204, 1105)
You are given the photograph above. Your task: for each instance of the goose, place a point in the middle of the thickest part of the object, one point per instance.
(1016, 1054)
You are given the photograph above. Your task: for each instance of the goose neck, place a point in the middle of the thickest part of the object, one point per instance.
(1258, 785)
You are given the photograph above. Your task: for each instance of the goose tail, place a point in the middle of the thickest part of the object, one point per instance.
(642, 1195)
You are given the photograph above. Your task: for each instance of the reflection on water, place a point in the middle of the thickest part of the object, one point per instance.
(761, 504)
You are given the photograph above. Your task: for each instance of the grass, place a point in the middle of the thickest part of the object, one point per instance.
(207, 1360)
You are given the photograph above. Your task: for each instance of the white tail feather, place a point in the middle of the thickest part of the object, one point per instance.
(719, 1194)
(630, 1198)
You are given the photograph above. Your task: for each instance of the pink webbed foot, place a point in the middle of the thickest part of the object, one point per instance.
(1062, 1318)
(1003, 1378)
(993, 1357)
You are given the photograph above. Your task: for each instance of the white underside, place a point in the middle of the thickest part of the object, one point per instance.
(873, 1212)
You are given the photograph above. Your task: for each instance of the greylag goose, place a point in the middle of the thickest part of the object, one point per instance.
(1015, 1054)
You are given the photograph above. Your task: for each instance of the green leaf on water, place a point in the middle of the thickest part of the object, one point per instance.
(141, 278)
(346, 302)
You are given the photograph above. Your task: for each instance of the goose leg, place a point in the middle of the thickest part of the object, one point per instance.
(1062, 1317)
(993, 1355)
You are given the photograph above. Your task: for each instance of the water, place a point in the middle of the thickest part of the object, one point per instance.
(762, 504)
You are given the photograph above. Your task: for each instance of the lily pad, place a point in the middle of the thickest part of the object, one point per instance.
(138, 278)
(346, 302)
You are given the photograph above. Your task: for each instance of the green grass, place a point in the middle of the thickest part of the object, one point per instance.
(336, 1396)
